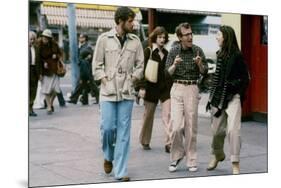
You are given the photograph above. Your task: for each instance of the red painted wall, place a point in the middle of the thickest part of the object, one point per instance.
(256, 56)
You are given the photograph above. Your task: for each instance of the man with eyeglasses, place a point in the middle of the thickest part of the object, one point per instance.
(185, 63)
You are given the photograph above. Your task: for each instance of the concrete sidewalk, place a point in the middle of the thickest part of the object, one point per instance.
(64, 148)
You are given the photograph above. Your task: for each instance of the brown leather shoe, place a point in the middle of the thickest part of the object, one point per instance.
(214, 161)
(235, 168)
(125, 178)
(107, 166)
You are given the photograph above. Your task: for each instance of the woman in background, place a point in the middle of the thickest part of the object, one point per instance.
(50, 55)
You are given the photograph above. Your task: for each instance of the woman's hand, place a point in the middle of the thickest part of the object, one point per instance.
(142, 93)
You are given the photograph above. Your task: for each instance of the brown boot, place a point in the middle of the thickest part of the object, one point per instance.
(214, 161)
(235, 168)
(107, 166)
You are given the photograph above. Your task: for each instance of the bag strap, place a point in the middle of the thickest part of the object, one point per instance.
(150, 56)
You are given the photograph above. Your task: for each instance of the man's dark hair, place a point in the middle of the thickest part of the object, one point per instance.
(84, 35)
(178, 28)
(123, 13)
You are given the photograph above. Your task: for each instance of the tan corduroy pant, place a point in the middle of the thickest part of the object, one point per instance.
(184, 114)
(229, 123)
(148, 117)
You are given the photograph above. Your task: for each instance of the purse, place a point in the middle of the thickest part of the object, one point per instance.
(151, 70)
(61, 70)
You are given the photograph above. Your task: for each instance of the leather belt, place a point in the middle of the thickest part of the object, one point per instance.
(186, 82)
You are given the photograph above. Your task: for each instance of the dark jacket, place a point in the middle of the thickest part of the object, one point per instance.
(237, 76)
(236, 80)
(46, 52)
(85, 61)
(37, 60)
(164, 81)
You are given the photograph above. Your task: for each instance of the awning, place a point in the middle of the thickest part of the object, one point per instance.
(204, 13)
(94, 16)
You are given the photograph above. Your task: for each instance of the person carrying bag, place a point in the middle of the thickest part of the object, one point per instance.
(151, 70)
(61, 69)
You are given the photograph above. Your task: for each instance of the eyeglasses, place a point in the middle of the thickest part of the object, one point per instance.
(187, 34)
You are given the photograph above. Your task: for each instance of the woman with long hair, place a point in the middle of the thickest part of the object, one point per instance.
(227, 94)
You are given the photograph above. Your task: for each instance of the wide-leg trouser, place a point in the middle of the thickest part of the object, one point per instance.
(115, 133)
(229, 123)
(148, 118)
(184, 114)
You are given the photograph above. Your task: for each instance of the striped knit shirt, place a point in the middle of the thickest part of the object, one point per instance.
(219, 86)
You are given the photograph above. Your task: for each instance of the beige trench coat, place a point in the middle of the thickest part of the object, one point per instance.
(118, 65)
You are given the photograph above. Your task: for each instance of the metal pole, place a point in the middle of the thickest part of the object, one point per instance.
(73, 49)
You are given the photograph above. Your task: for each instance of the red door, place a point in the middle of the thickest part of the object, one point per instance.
(256, 54)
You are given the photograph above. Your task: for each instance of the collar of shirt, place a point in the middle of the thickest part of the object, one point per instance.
(159, 51)
(121, 38)
(113, 33)
(192, 49)
(155, 47)
(81, 44)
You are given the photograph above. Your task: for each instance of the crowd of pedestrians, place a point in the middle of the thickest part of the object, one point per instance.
(44, 81)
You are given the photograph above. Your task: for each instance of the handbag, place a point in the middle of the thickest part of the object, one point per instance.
(151, 70)
(61, 70)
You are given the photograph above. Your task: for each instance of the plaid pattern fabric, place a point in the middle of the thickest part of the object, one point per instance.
(188, 69)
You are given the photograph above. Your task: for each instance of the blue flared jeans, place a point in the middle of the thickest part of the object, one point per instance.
(115, 134)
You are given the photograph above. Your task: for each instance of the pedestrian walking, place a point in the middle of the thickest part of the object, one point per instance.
(34, 70)
(86, 83)
(118, 63)
(50, 55)
(227, 94)
(185, 63)
(153, 92)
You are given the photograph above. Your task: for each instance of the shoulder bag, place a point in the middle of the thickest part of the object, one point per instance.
(151, 70)
(61, 70)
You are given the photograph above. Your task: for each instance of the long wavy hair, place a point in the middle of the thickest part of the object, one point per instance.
(230, 44)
